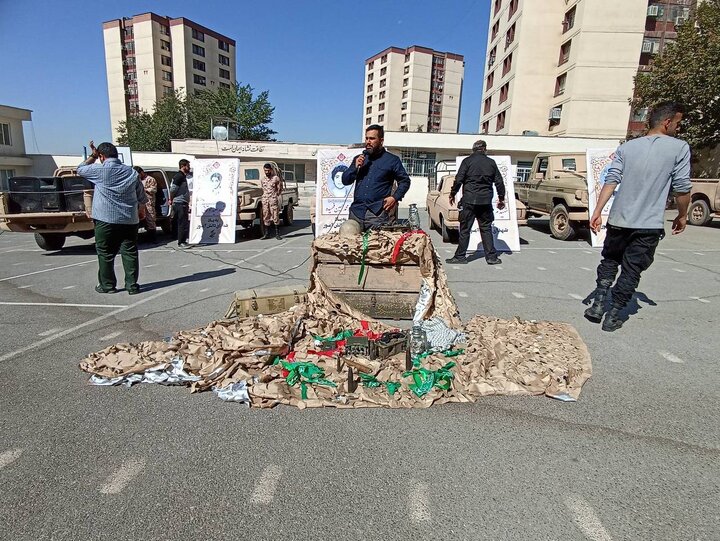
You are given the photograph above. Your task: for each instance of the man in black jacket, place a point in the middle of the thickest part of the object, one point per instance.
(180, 201)
(476, 176)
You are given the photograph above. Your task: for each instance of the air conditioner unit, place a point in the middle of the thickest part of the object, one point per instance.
(647, 47)
(555, 113)
(653, 11)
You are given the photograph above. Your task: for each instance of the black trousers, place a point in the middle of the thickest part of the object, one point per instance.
(182, 225)
(633, 250)
(371, 220)
(111, 239)
(484, 215)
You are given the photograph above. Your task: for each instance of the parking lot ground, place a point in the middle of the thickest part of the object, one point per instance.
(637, 457)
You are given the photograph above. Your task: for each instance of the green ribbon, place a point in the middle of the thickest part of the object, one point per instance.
(447, 353)
(424, 379)
(304, 373)
(366, 246)
(371, 382)
(342, 335)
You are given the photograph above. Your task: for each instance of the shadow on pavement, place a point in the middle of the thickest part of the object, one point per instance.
(196, 277)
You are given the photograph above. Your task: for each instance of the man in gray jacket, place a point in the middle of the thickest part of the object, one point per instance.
(646, 170)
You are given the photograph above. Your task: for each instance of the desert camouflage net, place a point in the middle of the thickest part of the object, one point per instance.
(501, 357)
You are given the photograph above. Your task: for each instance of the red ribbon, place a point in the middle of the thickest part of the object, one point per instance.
(401, 241)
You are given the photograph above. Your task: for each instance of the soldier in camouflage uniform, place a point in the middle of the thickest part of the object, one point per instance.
(272, 188)
(150, 185)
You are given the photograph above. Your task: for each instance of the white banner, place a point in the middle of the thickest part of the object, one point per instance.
(332, 199)
(213, 212)
(505, 228)
(598, 164)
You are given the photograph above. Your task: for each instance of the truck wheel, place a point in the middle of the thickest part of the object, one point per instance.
(560, 225)
(288, 214)
(50, 241)
(444, 231)
(699, 213)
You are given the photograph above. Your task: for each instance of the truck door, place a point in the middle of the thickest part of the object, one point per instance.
(536, 197)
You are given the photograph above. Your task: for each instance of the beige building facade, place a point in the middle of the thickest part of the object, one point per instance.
(149, 56)
(413, 89)
(13, 158)
(562, 67)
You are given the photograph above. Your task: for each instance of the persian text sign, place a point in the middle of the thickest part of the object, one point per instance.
(214, 201)
(332, 199)
(598, 164)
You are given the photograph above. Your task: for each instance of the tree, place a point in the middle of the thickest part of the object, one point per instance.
(688, 71)
(177, 116)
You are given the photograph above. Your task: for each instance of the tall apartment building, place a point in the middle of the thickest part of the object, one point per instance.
(562, 67)
(149, 56)
(413, 89)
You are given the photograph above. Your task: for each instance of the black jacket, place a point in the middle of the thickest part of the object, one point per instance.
(476, 175)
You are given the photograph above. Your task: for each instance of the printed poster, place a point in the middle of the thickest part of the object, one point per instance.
(332, 199)
(598, 164)
(506, 234)
(213, 212)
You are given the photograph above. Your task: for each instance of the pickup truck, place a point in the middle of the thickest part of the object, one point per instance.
(557, 187)
(705, 201)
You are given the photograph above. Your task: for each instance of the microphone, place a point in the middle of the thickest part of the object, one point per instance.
(366, 155)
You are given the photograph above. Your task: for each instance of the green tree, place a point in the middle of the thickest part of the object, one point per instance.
(146, 132)
(688, 71)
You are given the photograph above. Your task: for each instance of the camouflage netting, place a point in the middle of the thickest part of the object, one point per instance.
(500, 357)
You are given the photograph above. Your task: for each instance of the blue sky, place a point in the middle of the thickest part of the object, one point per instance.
(309, 55)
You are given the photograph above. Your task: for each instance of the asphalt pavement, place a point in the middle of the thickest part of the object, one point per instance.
(637, 457)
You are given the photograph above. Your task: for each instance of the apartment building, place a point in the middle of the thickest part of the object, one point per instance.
(148, 56)
(562, 67)
(413, 89)
(13, 158)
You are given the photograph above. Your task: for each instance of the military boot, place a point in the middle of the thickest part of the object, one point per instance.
(277, 232)
(612, 321)
(596, 311)
(267, 235)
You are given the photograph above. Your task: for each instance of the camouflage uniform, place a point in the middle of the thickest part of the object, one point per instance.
(271, 192)
(150, 185)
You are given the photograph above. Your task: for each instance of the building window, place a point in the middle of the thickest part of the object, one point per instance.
(564, 53)
(381, 107)
(383, 71)
(407, 57)
(370, 88)
(368, 110)
(560, 84)
(164, 45)
(200, 51)
(5, 135)
(370, 76)
(371, 65)
(164, 30)
(383, 59)
(167, 90)
(381, 118)
(406, 70)
(513, 8)
(224, 60)
(224, 85)
(405, 81)
(224, 46)
(510, 36)
(198, 79)
(498, 5)
(297, 170)
(196, 34)
(507, 64)
(367, 121)
(500, 124)
(382, 95)
(403, 105)
(640, 115)
(485, 126)
(555, 116)
(5, 175)
(504, 92)
(166, 60)
(198, 65)
(403, 118)
(490, 81)
(569, 20)
(166, 76)
(405, 94)
(128, 32)
(369, 99)
(492, 56)
(488, 104)
(382, 83)
(224, 74)
(495, 30)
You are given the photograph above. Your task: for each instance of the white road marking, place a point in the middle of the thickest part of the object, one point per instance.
(265, 488)
(586, 519)
(699, 253)
(576, 296)
(661, 253)
(110, 336)
(122, 476)
(704, 301)
(20, 263)
(541, 268)
(551, 252)
(151, 266)
(462, 294)
(8, 457)
(670, 357)
(587, 251)
(25, 287)
(47, 270)
(256, 266)
(419, 503)
(289, 251)
(456, 267)
(63, 305)
(69, 287)
(184, 266)
(518, 295)
(76, 328)
(498, 267)
(49, 332)
(585, 269)
(678, 270)
(204, 290)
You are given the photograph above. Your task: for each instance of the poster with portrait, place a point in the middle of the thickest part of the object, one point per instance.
(598, 165)
(505, 227)
(213, 211)
(332, 199)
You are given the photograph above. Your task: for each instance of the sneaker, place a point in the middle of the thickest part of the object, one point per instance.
(133, 290)
(183, 245)
(100, 289)
(455, 260)
(494, 261)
